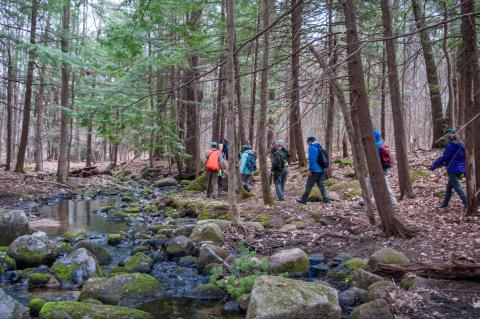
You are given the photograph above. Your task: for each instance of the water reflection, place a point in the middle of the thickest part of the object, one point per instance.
(74, 214)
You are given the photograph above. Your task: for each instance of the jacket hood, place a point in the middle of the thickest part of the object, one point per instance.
(378, 138)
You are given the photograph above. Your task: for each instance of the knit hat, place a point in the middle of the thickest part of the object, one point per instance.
(311, 139)
(214, 145)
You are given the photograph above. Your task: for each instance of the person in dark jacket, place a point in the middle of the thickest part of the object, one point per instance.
(280, 160)
(316, 172)
(454, 160)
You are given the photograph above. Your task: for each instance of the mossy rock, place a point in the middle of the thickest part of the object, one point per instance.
(166, 182)
(118, 270)
(151, 209)
(293, 261)
(114, 239)
(198, 184)
(13, 224)
(387, 256)
(65, 247)
(139, 263)
(93, 301)
(204, 215)
(263, 219)
(206, 292)
(343, 162)
(380, 290)
(128, 290)
(126, 198)
(6, 262)
(38, 279)
(100, 252)
(35, 305)
(299, 223)
(133, 209)
(75, 235)
(185, 182)
(32, 250)
(364, 279)
(372, 310)
(76, 267)
(411, 282)
(355, 264)
(348, 190)
(82, 310)
(351, 175)
(416, 175)
(170, 212)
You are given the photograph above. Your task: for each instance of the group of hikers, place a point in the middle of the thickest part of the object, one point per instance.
(318, 162)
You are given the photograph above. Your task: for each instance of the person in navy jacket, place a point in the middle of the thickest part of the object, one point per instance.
(454, 160)
(316, 172)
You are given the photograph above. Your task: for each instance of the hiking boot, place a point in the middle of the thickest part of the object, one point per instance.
(301, 201)
(441, 206)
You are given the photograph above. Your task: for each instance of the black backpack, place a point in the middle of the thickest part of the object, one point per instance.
(278, 161)
(323, 160)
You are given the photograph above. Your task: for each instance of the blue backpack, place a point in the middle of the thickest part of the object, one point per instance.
(251, 162)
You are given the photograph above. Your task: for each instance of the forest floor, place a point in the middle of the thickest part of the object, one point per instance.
(442, 235)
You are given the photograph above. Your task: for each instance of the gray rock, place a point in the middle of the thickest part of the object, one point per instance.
(13, 224)
(76, 267)
(207, 232)
(208, 255)
(139, 263)
(292, 261)
(231, 307)
(187, 261)
(12, 309)
(184, 230)
(387, 256)
(179, 246)
(100, 252)
(32, 250)
(206, 292)
(351, 297)
(363, 279)
(283, 298)
(166, 182)
(128, 290)
(376, 309)
(380, 290)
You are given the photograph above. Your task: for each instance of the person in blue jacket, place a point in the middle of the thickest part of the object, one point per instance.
(454, 159)
(316, 172)
(245, 172)
(379, 143)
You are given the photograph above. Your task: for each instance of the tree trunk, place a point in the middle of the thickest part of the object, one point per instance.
(262, 125)
(253, 94)
(331, 97)
(62, 174)
(345, 145)
(450, 114)
(470, 65)
(295, 119)
(353, 135)
(19, 167)
(218, 112)
(238, 90)
(396, 103)
(231, 113)
(383, 96)
(39, 109)
(390, 224)
(10, 110)
(438, 120)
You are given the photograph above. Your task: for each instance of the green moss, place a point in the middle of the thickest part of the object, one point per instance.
(75, 235)
(35, 306)
(246, 194)
(152, 209)
(351, 175)
(80, 310)
(355, 264)
(114, 238)
(416, 175)
(329, 182)
(38, 279)
(65, 247)
(349, 190)
(198, 184)
(170, 212)
(299, 223)
(7, 262)
(185, 182)
(118, 270)
(63, 272)
(4, 248)
(343, 162)
(126, 198)
(263, 219)
(133, 209)
(138, 262)
(205, 214)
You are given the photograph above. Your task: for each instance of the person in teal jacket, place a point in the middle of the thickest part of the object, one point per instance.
(245, 172)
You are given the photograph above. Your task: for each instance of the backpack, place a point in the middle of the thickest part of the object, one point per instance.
(323, 160)
(385, 157)
(251, 162)
(278, 161)
(213, 161)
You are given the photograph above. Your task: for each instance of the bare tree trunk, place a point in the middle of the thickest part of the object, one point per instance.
(438, 120)
(470, 65)
(217, 113)
(345, 145)
(353, 131)
(295, 119)
(10, 110)
(62, 174)
(262, 125)
(397, 107)
(19, 167)
(238, 90)
(390, 224)
(331, 97)
(450, 113)
(39, 109)
(230, 72)
(383, 96)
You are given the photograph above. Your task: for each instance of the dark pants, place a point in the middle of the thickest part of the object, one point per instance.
(212, 183)
(279, 178)
(319, 179)
(246, 181)
(454, 183)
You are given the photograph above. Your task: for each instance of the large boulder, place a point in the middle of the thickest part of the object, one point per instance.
(380, 290)
(209, 254)
(207, 232)
(387, 256)
(292, 261)
(128, 290)
(166, 182)
(12, 309)
(13, 224)
(33, 250)
(76, 267)
(139, 262)
(376, 309)
(179, 246)
(100, 252)
(364, 279)
(222, 223)
(275, 297)
(74, 235)
(83, 310)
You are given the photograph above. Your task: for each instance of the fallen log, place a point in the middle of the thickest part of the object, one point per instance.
(452, 271)
(89, 171)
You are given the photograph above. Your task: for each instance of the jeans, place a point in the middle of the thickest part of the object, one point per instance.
(279, 179)
(212, 183)
(246, 181)
(454, 183)
(319, 179)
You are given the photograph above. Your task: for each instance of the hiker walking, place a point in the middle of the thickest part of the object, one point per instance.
(386, 160)
(221, 172)
(317, 165)
(248, 166)
(280, 161)
(213, 165)
(454, 159)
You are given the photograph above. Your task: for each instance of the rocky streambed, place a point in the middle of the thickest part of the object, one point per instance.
(138, 249)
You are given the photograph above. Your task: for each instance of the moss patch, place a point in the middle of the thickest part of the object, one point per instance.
(79, 310)
(348, 190)
(35, 306)
(343, 162)
(416, 175)
(198, 184)
(38, 279)
(351, 175)
(355, 264)
(63, 272)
